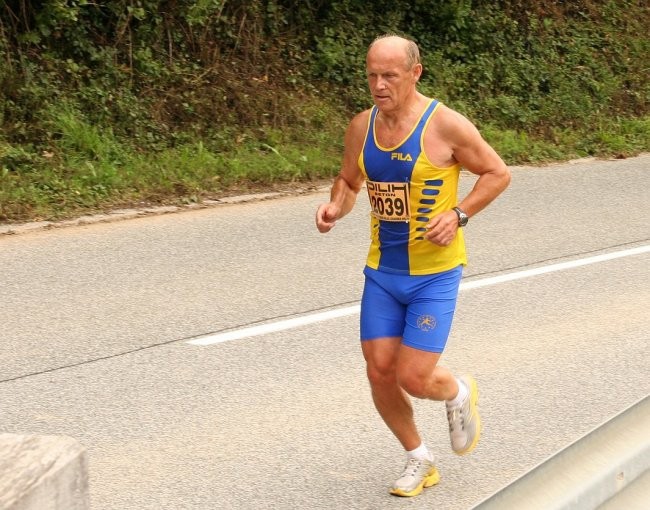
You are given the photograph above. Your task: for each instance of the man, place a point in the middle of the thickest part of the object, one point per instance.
(408, 149)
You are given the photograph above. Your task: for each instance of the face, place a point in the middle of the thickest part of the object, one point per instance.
(390, 79)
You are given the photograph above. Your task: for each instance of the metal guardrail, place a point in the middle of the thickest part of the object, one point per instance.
(586, 474)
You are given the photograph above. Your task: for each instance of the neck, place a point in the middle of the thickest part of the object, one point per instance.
(410, 109)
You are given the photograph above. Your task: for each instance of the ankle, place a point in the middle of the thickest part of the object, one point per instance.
(463, 392)
(420, 453)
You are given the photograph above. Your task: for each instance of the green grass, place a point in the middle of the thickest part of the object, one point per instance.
(88, 170)
(612, 138)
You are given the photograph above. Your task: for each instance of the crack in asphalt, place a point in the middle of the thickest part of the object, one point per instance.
(297, 314)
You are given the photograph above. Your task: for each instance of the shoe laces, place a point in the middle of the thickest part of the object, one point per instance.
(412, 467)
(455, 416)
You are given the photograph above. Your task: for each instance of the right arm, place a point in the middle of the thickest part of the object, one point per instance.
(348, 183)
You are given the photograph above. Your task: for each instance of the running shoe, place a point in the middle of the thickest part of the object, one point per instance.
(464, 420)
(417, 475)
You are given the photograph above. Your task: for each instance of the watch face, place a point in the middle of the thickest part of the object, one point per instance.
(462, 217)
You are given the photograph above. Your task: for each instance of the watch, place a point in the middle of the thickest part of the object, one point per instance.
(462, 217)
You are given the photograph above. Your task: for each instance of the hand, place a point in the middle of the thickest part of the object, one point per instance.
(442, 228)
(326, 217)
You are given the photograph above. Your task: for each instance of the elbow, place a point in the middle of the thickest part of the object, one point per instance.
(353, 186)
(506, 177)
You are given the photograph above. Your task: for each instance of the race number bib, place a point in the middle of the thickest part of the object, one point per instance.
(389, 200)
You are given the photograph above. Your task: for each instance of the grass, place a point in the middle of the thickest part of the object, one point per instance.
(612, 138)
(88, 170)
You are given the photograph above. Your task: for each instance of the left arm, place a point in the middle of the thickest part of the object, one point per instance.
(476, 155)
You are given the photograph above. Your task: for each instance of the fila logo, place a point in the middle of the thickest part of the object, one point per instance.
(400, 157)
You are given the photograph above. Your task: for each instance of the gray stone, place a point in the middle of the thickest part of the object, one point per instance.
(42, 473)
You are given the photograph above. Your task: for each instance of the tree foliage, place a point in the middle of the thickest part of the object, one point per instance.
(161, 66)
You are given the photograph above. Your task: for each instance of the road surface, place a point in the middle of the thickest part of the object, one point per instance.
(100, 330)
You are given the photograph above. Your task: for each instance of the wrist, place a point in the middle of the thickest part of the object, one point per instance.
(462, 216)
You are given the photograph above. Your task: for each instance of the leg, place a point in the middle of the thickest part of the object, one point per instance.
(398, 365)
(420, 376)
(428, 318)
(405, 323)
(428, 321)
(391, 401)
(396, 371)
(394, 406)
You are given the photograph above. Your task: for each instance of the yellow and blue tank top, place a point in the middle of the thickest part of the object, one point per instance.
(406, 190)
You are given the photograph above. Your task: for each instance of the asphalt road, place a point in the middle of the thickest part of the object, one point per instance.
(95, 323)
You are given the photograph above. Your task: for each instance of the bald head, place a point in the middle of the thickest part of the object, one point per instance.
(392, 43)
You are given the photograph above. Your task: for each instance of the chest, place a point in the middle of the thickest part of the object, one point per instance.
(390, 138)
(404, 144)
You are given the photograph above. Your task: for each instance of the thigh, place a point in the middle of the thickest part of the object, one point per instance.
(430, 313)
(382, 315)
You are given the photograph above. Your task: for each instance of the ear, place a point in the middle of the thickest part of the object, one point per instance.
(417, 72)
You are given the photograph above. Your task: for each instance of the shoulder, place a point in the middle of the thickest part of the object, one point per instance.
(360, 120)
(465, 142)
(454, 129)
(357, 128)
(453, 124)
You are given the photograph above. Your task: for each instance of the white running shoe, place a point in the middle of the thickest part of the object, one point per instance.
(417, 475)
(464, 420)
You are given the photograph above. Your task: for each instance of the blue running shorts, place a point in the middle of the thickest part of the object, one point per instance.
(417, 308)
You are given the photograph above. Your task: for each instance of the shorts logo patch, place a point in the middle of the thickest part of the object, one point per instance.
(426, 322)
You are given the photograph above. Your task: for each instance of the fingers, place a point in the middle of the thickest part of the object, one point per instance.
(446, 241)
(442, 228)
(441, 240)
(325, 218)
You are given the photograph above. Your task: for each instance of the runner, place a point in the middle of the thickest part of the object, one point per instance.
(408, 150)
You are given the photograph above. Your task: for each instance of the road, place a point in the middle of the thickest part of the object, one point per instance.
(97, 322)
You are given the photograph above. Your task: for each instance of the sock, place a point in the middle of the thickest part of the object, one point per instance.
(463, 391)
(420, 453)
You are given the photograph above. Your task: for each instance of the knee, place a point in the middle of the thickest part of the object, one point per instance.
(420, 384)
(381, 374)
(414, 384)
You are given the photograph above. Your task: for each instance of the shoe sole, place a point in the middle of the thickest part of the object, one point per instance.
(473, 395)
(430, 479)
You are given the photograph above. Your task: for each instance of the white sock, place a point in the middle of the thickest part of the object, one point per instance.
(420, 453)
(463, 391)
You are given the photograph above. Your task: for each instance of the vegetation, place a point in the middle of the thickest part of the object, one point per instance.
(142, 101)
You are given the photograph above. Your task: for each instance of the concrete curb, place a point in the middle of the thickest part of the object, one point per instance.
(317, 187)
(587, 473)
(127, 214)
(42, 473)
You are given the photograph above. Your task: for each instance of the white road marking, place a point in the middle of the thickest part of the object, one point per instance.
(272, 327)
(296, 322)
